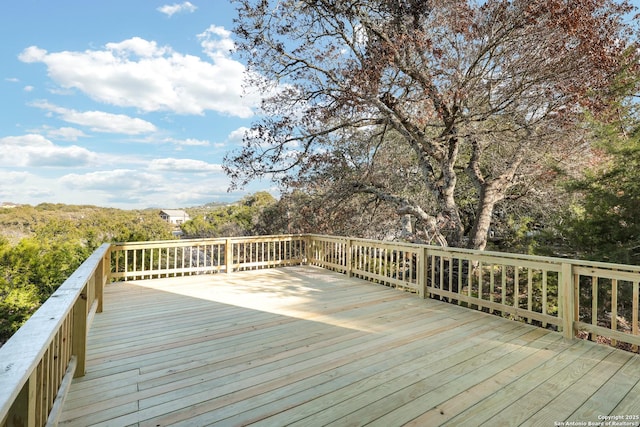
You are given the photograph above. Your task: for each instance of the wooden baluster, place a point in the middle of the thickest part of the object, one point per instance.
(544, 295)
(529, 291)
(614, 308)
(635, 309)
(594, 305)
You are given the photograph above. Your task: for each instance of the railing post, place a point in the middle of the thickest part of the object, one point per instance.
(349, 259)
(79, 337)
(23, 410)
(423, 267)
(228, 257)
(103, 274)
(99, 283)
(568, 293)
(309, 249)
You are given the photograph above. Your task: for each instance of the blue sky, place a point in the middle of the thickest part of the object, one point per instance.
(128, 104)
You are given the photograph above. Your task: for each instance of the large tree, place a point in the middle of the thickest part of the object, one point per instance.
(489, 94)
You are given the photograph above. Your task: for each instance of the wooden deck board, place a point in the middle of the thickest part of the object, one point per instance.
(305, 346)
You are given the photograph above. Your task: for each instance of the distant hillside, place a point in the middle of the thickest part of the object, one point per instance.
(89, 224)
(40, 246)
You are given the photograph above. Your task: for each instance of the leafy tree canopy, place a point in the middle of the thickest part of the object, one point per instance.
(480, 100)
(604, 223)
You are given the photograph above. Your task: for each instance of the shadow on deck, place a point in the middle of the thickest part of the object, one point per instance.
(305, 346)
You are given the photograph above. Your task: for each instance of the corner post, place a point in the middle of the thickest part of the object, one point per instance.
(349, 258)
(103, 277)
(568, 293)
(309, 249)
(23, 410)
(228, 257)
(423, 267)
(79, 333)
(99, 292)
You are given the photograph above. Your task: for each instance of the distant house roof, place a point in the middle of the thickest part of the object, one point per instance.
(174, 212)
(174, 216)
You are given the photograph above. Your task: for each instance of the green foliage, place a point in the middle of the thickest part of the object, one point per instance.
(238, 219)
(40, 247)
(605, 223)
(16, 306)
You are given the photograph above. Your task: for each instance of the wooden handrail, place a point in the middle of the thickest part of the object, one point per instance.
(170, 258)
(50, 347)
(37, 362)
(545, 290)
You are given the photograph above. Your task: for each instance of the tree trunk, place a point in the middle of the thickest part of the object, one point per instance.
(407, 228)
(450, 215)
(488, 198)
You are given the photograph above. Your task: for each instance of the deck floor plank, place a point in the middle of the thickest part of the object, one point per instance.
(545, 393)
(340, 402)
(372, 370)
(460, 386)
(564, 406)
(305, 346)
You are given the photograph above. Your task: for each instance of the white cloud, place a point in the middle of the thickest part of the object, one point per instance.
(66, 134)
(126, 187)
(24, 187)
(99, 121)
(191, 142)
(110, 181)
(119, 187)
(13, 177)
(131, 188)
(34, 150)
(169, 10)
(139, 73)
(183, 165)
(137, 47)
(12, 80)
(32, 54)
(237, 136)
(28, 88)
(216, 42)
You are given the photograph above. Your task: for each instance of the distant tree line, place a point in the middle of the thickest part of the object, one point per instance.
(243, 218)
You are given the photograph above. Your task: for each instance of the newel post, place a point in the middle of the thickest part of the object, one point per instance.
(104, 277)
(23, 410)
(228, 255)
(79, 333)
(349, 259)
(423, 268)
(99, 284)
(568, 292)
(307, 250)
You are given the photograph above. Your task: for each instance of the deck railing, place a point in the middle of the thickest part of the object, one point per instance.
(39, 361)
(172, 258)
(589, 299)
(601, 299)
(593, 300)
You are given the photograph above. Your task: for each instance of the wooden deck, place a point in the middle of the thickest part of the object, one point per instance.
(305, 346)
